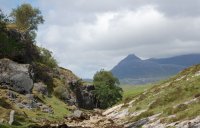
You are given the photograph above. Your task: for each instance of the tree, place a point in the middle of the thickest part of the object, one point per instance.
(47, 58)
(27, 18)
(3, 21)
(106, 90)
(9, 45)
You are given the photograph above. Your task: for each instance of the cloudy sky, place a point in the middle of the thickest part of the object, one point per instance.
(89, 35)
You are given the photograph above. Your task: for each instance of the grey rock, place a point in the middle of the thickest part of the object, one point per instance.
(85, 97)
(77, 113)
(2, 121)
(11, 95)
(17, 77)
(41, 88)
(193, 123)
(137, 123)
(12, 114)
(46, 109)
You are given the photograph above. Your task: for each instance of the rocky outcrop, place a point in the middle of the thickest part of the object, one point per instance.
(17, 46)
(84, 95)
(17, 77)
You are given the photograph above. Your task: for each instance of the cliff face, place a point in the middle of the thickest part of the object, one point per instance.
(84, 95)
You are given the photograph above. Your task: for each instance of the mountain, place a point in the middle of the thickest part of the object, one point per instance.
(133, 70)
(173, 103)
(184, 60)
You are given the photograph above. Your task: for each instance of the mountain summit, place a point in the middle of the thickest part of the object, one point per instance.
(133, 70)
(132, 57)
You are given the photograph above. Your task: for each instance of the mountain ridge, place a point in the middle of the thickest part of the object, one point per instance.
(133, 70)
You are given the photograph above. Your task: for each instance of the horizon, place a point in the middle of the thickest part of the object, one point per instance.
(88, 36)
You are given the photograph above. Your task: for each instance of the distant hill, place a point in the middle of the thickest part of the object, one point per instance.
(184, 60)
(133, 70)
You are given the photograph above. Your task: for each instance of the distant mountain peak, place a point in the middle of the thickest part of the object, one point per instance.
(132, 57)
(133, 70)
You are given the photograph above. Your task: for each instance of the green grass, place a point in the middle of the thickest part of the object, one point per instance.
(26, 117)
(130, 91)
(165, 95)
(60, 109)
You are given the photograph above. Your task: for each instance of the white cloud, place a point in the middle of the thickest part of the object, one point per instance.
(88, 35)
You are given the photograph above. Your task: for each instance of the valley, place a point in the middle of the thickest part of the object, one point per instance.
(39, 89)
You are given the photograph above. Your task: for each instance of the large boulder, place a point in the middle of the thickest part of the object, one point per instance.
(17, 77)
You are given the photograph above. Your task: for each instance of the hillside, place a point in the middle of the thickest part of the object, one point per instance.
(133, 70)
(172, 103)
(31, 100)
(34, 90)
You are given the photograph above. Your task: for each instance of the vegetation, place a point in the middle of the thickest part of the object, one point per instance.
(43, 73)
(131, 91)
(27, 18)
(47, 58)
(17, 43)
(9, 46)
(177, 96)
(61, 92)
(25, 117)
(106, 90)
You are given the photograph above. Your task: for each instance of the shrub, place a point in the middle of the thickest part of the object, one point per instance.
(61, 92)
(47, 58)
(44, 74)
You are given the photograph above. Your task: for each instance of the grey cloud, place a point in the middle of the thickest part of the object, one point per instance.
(88, 35)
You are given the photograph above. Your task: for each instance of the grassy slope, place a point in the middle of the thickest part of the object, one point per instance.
(26, 117)
(130, 91)
(168, 97)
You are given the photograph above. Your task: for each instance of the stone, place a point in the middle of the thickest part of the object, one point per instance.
(84, 95)
(115, 108)
(17, 77)
(11, 95)
(2, 121)
(41, 88)
(46, 109)
(137, 124)
(63, 126)
(77, 113)
(12, 113)
(193, 123)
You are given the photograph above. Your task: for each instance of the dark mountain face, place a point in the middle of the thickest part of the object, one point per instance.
(184, 60)
(133, 70)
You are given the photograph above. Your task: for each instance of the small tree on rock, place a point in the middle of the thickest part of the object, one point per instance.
(27, 18)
